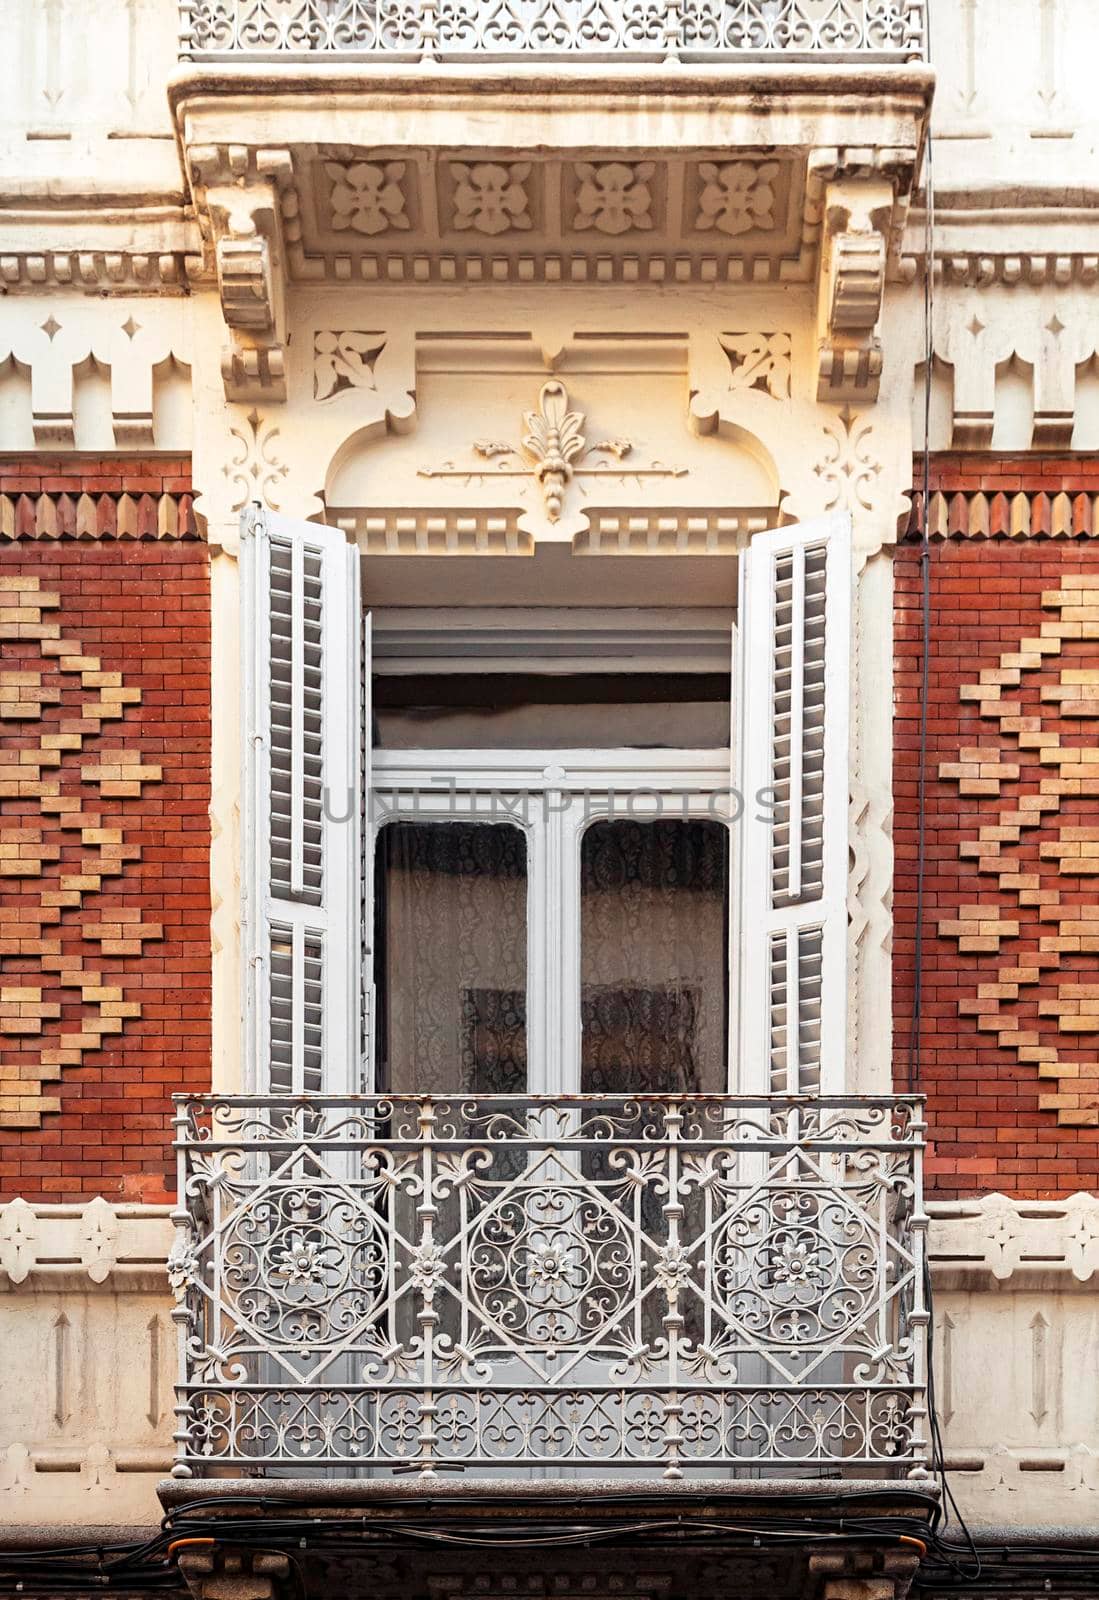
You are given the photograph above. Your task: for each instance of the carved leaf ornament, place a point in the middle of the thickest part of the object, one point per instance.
(554, 438)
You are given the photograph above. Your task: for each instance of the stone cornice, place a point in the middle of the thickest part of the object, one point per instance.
(97, 243)
(585, 81)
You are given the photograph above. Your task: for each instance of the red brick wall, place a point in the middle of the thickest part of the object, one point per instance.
(104, 834)
(1010, 1032)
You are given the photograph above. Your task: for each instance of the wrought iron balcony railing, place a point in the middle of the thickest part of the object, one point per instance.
(666, 1283)
(596, 30)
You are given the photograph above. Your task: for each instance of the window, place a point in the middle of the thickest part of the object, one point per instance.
(574, 951)
(573, 947)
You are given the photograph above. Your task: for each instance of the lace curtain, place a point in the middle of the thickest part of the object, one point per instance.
(653, 963)
(452, 899)
(452, 957)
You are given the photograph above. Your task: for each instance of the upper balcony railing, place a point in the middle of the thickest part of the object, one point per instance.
(614, 31)
(673, 1283)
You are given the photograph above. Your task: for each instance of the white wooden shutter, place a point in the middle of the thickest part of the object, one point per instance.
(791, 705)
(301, 823)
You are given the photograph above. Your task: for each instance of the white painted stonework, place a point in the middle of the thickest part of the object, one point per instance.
(86, 1327)
(85, 1317)
(343, 287)
(1016, 1342)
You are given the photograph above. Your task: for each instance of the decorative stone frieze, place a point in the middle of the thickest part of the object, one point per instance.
(614, 197)
(1045, 333)
(1021, 1433)
(998, 1237)
(1018, 514)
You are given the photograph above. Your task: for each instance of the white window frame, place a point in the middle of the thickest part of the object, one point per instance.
(568, 790)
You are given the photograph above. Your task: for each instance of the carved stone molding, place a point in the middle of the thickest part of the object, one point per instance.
(91, 1241)
(344, 360)
(998, 1236)
(554, 451)
(857, 217)
(759, 361)
(56, 340)
(256, 468)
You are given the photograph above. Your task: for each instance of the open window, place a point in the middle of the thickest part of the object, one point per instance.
(695, 946)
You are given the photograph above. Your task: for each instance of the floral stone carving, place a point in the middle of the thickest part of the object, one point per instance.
(614, 197)
(367, 197)
(737, 196)
(489, 197)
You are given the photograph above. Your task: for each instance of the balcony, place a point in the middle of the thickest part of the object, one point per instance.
(667, 1285)
(547, 30)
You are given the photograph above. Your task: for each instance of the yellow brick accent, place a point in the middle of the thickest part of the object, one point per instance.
(32, 773)
(1072, 851)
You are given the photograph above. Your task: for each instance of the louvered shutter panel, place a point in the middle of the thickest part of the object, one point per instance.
(302, 924)
(791, 706)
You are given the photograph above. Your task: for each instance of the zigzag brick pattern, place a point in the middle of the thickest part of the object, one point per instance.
(1010, 1033)
(104, 839)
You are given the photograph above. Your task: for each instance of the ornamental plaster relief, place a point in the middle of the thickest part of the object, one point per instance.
(1015, 95)
(410, 215)
(1050, 335)
(425, 436)
(94, 375)
(57, 117)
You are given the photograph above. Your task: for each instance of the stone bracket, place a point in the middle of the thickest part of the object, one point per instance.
(243, 201)
(215, 1573)
(857, 218)
(856, 1574)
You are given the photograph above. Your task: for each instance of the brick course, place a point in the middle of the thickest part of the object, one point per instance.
(104, 836)
(1010, 1042)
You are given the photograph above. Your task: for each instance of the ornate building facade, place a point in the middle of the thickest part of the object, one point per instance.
(548, 835)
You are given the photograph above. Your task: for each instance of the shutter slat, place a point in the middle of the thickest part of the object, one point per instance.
(301, 911)
(792, 703)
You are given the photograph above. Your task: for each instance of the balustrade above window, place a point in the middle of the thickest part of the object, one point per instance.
(595, 30)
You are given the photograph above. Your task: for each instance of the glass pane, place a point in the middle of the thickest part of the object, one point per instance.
(451, 913)
(501, 711)
(653, 956)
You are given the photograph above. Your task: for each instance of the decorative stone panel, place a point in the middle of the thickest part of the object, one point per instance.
(1020, 1432)
(89, 1362)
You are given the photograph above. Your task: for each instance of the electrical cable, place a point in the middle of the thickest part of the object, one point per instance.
(914, 1041)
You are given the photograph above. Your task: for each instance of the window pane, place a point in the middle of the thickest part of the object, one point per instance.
(451, 913)
(653, 961)
(510, 711)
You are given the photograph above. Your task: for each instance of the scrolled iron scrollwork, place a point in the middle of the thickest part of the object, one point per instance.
(487, 29)
(558, 1281)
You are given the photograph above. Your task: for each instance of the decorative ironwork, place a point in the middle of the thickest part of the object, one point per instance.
(655, 30)
(667, 1282)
